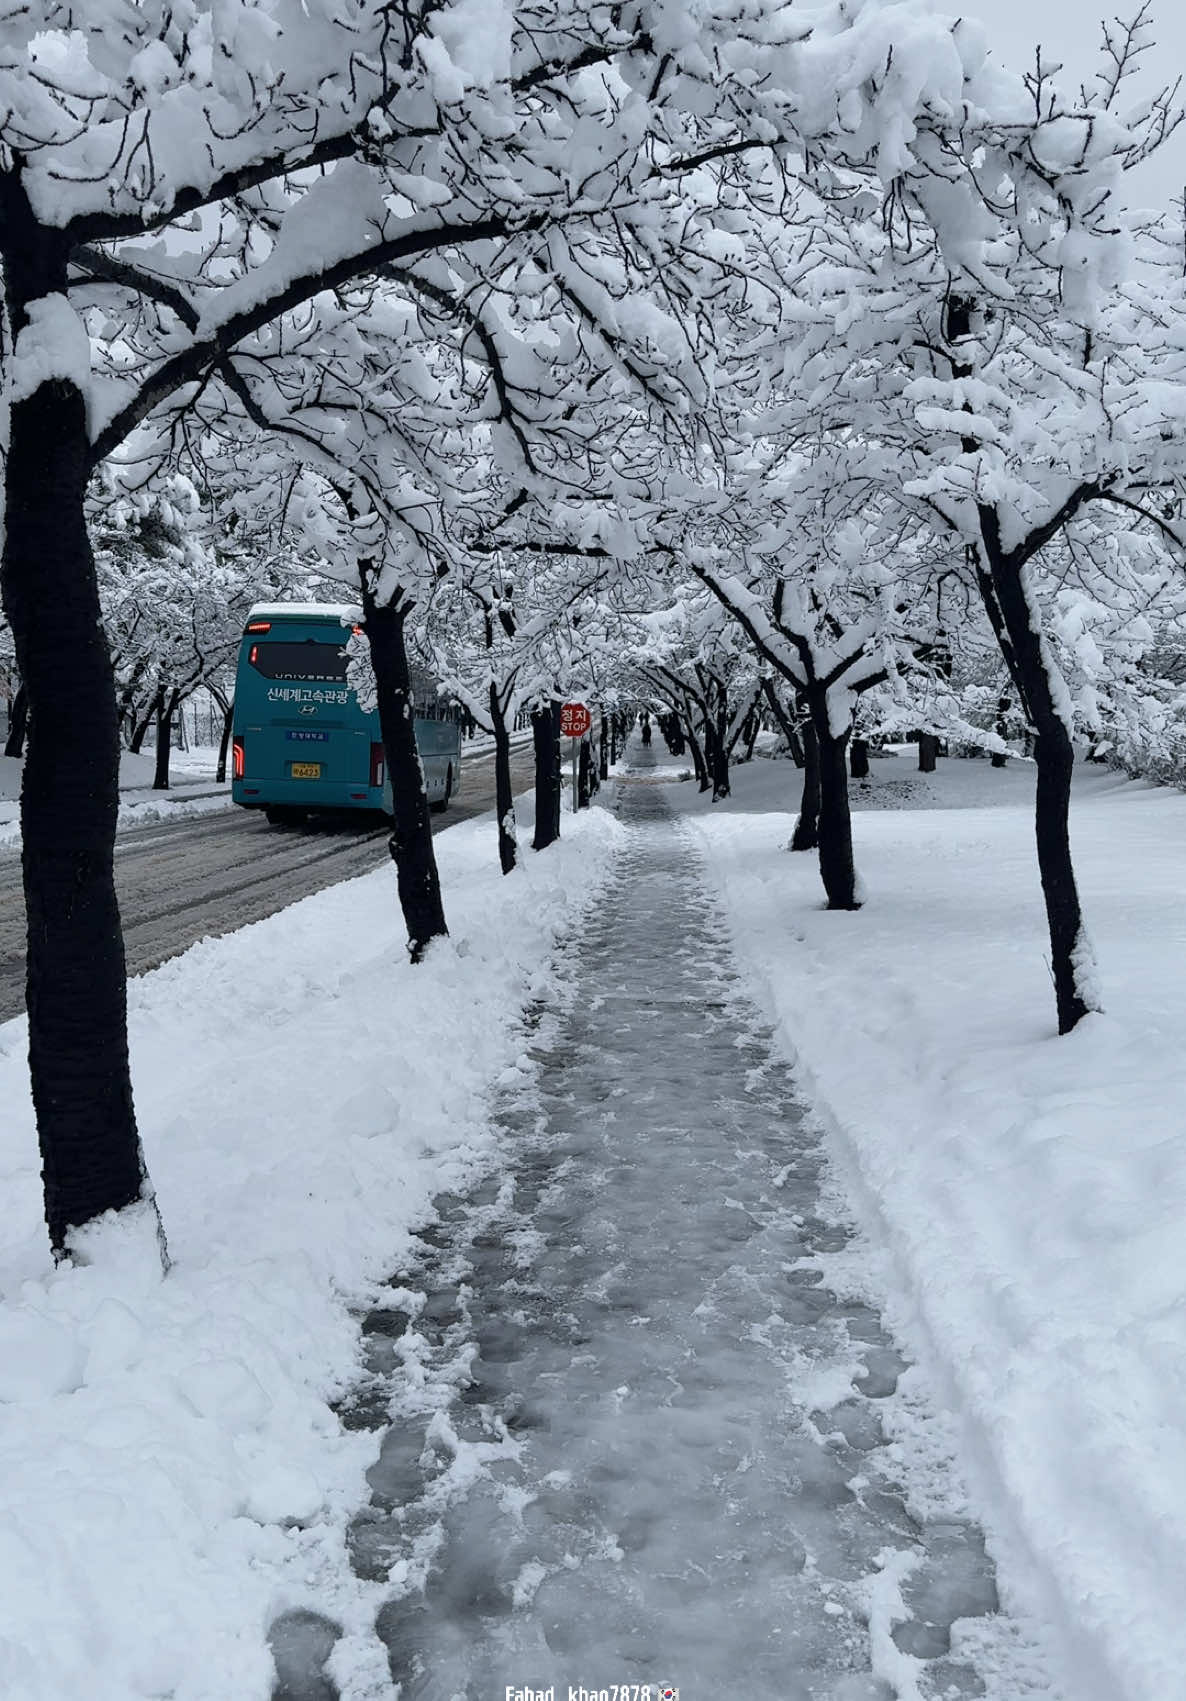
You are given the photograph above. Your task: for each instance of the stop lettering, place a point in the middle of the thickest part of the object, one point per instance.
(575, 720)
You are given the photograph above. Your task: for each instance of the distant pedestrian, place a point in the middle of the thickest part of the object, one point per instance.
(646, 729)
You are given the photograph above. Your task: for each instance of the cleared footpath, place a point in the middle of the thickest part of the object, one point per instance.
(632, 1426)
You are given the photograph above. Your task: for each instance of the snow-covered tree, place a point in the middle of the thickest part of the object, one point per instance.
(173, 611)
(997, 381)
(514, 633)
(174, 182)
(829, 605)
(190, 193)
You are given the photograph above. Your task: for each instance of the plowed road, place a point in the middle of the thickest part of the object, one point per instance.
(184, 880)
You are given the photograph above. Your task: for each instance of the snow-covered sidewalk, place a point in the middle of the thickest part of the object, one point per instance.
(1028, 1193)
(648, 1428)
(175, 1474)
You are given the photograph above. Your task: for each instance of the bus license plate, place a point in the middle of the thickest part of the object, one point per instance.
(306, 770)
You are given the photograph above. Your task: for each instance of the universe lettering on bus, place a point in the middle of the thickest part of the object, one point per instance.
(305, 694)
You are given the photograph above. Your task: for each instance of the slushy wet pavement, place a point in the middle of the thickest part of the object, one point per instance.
(635, 1436)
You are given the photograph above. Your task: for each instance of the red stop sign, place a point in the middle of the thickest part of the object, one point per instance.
(575, 720)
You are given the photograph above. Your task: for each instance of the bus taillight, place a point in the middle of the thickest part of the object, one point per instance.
(238, 767)
(376, 764)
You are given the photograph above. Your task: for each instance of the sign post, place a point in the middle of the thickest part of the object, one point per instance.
(575, 721)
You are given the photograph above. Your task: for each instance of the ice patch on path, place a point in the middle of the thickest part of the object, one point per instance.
(177, 1478)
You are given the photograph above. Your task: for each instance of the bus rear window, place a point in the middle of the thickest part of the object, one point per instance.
(308, 660)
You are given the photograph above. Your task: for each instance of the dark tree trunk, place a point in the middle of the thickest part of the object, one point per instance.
(140, 730)
(224, 742)
(716, 741)
(78, 1050)
(720, 771)
(795, 743)
(166, 710)
(545, 728)
(858, 759)
(999, 757)
(584, 775)
(18, 721)
(928, 750)
(603, 748)
(673, 734)
(1055, 757)
(127, 697)
(708, 745)
(753, 726)
(410, 843)
(719, 761)
(835, 823)
(504, 801)
(806, 834)
(698, 761)
(613, 741)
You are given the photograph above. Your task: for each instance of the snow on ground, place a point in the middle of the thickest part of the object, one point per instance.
(174, 1474)
(193, 790)
(1028, 1193)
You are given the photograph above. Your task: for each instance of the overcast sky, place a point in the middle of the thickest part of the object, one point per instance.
(1068, 30)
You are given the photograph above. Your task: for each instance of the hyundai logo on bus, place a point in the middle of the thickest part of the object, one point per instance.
(575, 720)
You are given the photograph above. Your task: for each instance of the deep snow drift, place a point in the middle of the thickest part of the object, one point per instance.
(1029, 1192)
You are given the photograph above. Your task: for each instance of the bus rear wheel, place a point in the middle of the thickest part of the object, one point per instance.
(284, 815)
(442, 803)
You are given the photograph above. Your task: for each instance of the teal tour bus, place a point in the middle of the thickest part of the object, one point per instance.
(301, 741)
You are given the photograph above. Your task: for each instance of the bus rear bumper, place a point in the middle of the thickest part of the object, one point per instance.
(301, 794)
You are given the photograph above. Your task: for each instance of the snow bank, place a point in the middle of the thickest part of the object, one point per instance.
(174, 1474)
(1029, 1192)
